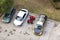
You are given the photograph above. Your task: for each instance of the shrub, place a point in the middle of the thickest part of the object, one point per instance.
(5, 5)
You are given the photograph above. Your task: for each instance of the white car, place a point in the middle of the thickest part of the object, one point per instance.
(38, 30)
(21, 16)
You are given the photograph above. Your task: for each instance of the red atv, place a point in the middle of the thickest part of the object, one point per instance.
(31, 19)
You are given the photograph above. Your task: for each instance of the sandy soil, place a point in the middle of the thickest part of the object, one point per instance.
(11, 32)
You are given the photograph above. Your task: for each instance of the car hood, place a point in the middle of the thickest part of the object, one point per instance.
(37, 31)
(6, 19)
(16, 22)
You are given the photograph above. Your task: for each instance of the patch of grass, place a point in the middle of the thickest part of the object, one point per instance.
(38, 7)
(56, 3)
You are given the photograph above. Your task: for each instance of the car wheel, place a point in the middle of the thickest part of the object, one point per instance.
(31, 22)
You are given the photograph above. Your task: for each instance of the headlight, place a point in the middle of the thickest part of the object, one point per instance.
(2, 20)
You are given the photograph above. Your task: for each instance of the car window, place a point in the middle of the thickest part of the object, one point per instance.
(42, 19)
(19, 18)
(7, 15)
(12, 11)
(39, 27)
(23, 10)
(24, 15)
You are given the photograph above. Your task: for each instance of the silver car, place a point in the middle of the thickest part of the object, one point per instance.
(38, 30)
(21, 16)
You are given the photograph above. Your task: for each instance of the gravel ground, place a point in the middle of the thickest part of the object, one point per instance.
(11, 32)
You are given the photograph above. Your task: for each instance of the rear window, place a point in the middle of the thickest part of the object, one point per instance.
(23, 10)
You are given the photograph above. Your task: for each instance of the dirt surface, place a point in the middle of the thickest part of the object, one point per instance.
(25, 32)
(38, 7)
(55, 35)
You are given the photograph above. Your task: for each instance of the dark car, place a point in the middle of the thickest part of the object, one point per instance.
(8, 16)
(38, 29)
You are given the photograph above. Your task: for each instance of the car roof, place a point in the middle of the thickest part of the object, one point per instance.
(41, 16)
(21, 13)
(40, 23)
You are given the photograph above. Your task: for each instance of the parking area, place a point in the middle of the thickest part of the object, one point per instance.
(25, 32)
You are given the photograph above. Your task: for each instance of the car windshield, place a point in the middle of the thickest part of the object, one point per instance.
(7, 15)
(39, 27)
(6, 19)
(19, 18)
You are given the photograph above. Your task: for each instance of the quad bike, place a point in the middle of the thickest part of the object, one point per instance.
(31, 19)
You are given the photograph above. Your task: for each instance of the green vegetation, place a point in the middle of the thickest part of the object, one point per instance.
(34, 6)
(5, 5)
(56, 3)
